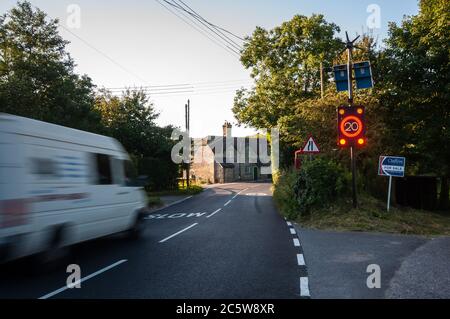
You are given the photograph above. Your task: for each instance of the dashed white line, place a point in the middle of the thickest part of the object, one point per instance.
(292, 230)
(304, 287)
(213, 213)
(243, 190)
(51, 294)
(177, 233)
(296, 242)
(227, 203)
(300, 260)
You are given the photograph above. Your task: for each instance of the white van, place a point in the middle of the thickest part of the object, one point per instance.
(60, 186)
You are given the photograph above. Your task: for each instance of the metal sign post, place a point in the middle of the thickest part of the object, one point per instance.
(350, 45)
(391, 166)
(389, 193)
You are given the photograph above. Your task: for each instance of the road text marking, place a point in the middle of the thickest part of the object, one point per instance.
(292, 230)
(177, 233)
(84, 279)
(296, 242)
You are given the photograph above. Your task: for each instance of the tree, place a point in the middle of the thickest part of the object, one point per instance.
(37, 77)
(415, 91)
(130, 118)
(285, 63)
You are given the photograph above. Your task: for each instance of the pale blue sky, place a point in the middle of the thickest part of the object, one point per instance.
(159, 49)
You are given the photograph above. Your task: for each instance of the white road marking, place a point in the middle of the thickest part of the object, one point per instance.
(289, 223)
(292, 230)
(296, 242)
(213, 213)
(300, 260)
(83, 279)
(177, 233)
(227, 203)
(243, 190)
(304, 287)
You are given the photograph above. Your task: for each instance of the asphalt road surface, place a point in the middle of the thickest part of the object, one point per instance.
(227, 242)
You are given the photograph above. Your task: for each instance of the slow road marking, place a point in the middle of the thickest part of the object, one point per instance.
(177, 233)
(51, 294)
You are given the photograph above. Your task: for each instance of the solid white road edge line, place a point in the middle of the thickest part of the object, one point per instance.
(177, 233)
(213, 213)
(83, 279)
(296, 242)
(227, 203)
(304, 287)
(300, 260)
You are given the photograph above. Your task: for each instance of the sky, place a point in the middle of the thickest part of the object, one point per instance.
(140, 43)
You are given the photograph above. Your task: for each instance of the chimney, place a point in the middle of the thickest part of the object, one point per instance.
(227, 129)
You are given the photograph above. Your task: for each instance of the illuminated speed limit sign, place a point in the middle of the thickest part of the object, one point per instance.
(351, 126)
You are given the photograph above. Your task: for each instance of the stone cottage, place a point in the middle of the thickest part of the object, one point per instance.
(225, 159)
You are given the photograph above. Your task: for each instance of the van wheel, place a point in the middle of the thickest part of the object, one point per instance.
(56, 253)
(136, 231)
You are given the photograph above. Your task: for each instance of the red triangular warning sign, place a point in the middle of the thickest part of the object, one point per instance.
(310, 146)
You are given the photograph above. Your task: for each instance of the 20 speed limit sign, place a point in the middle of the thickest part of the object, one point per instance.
(351, 126)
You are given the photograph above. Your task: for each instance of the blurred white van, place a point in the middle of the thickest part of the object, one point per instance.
(60, 186)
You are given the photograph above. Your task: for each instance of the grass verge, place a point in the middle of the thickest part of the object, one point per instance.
(191, 190)
(371, 216)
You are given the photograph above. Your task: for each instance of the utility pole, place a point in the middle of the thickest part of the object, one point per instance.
(187, 109)
(349, 47)
(322, 84)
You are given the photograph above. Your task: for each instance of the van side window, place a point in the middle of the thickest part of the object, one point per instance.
(104, 175)
(130, 173)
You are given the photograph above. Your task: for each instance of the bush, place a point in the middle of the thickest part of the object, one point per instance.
(284, 193)
(319, 183)
(162, 173)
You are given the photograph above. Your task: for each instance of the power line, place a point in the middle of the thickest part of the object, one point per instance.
(227, 48)
(95, 49)
(104, 55)
(193, 85)
(204, 22)
(211, 24)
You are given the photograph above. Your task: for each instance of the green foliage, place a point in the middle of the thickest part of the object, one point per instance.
(284, 193)
(37, 80)
(416, 88)
(37, 76)
(318, 183)
(285, 64)
(407, 112)
(162, 173)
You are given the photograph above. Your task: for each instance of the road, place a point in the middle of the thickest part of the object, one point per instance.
(227, 242)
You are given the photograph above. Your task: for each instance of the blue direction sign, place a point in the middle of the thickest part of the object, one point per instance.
(391, 166)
